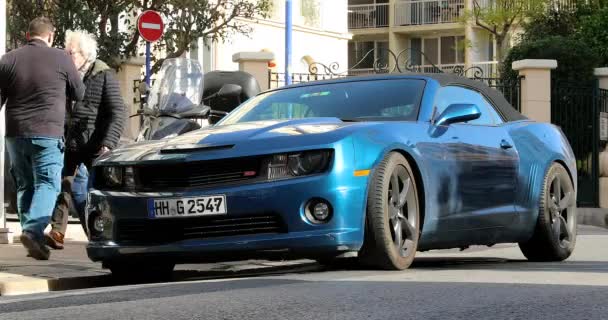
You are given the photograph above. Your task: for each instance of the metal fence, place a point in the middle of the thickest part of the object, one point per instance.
(277, 79)
(576, 109)
(510, 89)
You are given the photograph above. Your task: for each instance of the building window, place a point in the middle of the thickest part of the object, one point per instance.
(430, 47)
(311, 11)
(363, 54)
(448, 54)
(442, 50)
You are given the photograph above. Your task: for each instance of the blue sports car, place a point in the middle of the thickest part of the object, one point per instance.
(378, 167)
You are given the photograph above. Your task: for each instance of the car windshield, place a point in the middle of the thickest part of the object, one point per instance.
(369, 100)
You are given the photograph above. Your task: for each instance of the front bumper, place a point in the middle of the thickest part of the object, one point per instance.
(285, 199)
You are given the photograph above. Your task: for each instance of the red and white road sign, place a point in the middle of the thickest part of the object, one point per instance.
(150, 25)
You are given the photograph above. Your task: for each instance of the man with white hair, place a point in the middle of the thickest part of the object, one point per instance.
(94, 125)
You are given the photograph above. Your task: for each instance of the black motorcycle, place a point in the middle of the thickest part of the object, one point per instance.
(184, 99)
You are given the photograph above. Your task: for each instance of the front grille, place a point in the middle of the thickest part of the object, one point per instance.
(164, 231)
(198, 174)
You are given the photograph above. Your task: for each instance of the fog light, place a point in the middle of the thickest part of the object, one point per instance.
(321, 211)
(318, 211)
(99, 224)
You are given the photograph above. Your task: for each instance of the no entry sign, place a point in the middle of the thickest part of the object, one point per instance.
(150, 25)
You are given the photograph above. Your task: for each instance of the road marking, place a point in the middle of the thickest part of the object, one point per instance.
(147, 25)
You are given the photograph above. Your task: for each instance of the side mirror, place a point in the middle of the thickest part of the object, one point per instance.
(456, 113)
(197, 112)
(144, 88)
(230, 90)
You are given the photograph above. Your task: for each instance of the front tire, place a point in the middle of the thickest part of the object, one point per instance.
(393, 216)
(555, 233)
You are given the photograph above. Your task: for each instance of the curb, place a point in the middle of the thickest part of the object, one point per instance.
(15, 284)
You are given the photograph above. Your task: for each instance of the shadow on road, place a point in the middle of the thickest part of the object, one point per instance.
(481, 263)
(179, 276)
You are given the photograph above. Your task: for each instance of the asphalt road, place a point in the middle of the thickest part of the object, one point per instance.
(482, 283)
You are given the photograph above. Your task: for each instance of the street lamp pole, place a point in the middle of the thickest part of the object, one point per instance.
(288, 32)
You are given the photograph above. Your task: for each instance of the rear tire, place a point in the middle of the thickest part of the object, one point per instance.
(393, 216)
(554, 237)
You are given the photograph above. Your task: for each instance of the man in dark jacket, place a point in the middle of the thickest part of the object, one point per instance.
(34, 80)
(94, 125)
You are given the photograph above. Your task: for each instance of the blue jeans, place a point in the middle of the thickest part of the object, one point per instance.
(80, 189)
(36, 165)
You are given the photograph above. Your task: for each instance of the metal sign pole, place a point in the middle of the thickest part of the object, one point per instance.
(288, 39)
(148, 57)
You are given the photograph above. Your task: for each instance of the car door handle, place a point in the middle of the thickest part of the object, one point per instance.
(504, 144)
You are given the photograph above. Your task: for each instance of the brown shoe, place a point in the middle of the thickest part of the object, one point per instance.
(35, 249)
(54, 240)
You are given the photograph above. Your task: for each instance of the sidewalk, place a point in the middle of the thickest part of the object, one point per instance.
(70, 269)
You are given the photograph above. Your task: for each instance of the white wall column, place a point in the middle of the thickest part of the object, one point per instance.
(602, 76)
(397, 43)
(256, 64)
(130, 71)
(536, 87)
(477, 45)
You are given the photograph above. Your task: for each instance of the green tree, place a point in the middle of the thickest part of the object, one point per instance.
(575, 60)
(593, 32)
(185, 22)
(577, 38)
(188, 20)
(500, 17)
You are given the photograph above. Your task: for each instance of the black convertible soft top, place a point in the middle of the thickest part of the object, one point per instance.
(495, 96)
(508, 112)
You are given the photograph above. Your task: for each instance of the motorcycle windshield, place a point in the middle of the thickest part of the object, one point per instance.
(179, 86)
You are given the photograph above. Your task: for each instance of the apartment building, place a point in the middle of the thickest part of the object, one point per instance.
(432, 29)
(320, 34)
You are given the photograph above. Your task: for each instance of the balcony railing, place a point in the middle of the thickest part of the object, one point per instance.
(421, 12)
(485, 68)
(368, 16)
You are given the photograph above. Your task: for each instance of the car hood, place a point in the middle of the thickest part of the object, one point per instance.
(250, 138)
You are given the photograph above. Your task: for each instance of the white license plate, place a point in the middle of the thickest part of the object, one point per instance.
(187, 207)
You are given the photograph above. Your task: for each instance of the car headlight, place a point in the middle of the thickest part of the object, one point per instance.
(112, 176)
(304, 163)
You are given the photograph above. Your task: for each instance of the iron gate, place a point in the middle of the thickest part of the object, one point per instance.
(576, 109)
(398, 63)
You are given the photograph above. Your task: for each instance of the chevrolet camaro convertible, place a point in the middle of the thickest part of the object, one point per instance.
(376, 167)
